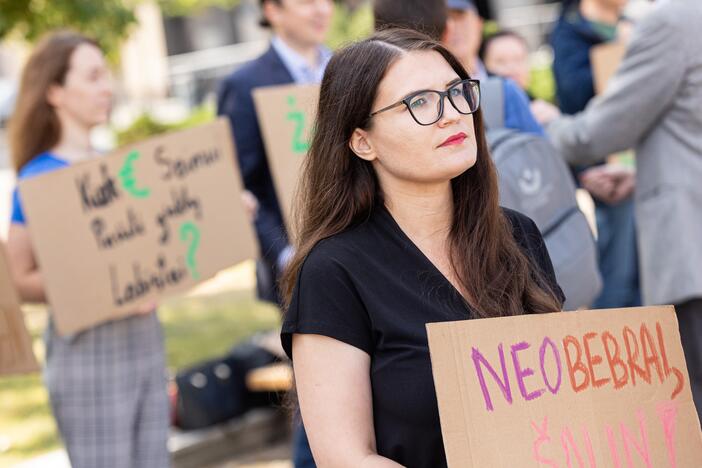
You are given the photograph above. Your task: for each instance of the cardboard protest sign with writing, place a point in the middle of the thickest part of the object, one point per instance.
(286, 116)
(16, 355)
(588, 389)
(148, 220)
(605, 60)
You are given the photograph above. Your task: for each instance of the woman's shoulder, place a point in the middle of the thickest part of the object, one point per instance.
(41, 163)
(344, 250)
(521, 223)
(525, 232)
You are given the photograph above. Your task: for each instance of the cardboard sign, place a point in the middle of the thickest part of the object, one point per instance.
(286, 116)
(16, 355)
(606, 388)
(146, 221)
(605, 60)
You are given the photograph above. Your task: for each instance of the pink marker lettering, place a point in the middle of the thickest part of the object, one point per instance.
(668, 412)
(612, 446)
(543, 437)
(642, 448)
(567, 438)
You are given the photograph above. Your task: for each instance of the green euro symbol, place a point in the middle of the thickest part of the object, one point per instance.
(190, 233)
(128, 179)
(299, 145)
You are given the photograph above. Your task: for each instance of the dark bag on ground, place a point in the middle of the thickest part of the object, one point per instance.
(215, 391)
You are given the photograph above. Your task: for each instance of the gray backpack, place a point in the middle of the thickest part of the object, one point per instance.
(535, 180)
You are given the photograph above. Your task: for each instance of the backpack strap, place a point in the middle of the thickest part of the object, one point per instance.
(492, 102)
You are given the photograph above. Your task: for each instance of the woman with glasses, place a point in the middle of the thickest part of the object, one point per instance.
(398, 225)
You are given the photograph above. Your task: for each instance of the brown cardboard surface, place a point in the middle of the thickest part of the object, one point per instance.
(286, 116)
(16, 355)
(524, 416)
(146, 221)
(605, 59)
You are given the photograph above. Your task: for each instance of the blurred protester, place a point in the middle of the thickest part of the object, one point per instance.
(296, 55)
(654, 104)
(506, 54)
(107, 385)
(583, 25)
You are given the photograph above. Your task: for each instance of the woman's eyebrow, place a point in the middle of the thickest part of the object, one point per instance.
(450, 83)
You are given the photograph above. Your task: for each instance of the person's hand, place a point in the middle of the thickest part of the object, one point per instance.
(146, 308)
(610, 184)
(544, 112)
(625, 182)
(598, 183)
(250, 204)
(624, 30)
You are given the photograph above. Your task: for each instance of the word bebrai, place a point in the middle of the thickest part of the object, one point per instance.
(173, 217)
(595, 362)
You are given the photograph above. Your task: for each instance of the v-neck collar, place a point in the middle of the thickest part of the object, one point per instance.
(426, 260)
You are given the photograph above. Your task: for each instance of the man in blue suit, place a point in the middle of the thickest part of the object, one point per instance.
(296, 55)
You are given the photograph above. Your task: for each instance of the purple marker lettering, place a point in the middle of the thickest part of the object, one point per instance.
(479, 361)
(522, 373)
(542, 359)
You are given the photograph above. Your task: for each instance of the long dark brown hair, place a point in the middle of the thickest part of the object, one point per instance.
(338, 189)
(34, 126)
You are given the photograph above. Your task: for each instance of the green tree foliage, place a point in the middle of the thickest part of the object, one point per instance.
(350, 24)
(189, 7)
(108, 21)
(105, 20)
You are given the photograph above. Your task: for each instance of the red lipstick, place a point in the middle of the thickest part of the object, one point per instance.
(456, 139)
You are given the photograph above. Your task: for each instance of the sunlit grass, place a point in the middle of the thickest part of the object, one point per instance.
(196, 328)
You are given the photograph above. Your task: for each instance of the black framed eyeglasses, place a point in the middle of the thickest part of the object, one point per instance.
(427, 106)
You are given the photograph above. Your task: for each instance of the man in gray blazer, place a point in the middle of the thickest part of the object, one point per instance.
(654, 104)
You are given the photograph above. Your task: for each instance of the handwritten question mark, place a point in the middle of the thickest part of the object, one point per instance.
(189, 232)
(128, 179)
(299, 145)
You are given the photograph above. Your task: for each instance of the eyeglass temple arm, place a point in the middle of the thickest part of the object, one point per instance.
(391, 106)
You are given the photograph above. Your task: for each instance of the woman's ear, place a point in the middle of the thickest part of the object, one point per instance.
(361, 145)
(53, 95)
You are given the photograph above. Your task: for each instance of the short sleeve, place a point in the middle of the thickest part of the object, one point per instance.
(326, 302)
(17, 216)
(529, 238)
(39, 165)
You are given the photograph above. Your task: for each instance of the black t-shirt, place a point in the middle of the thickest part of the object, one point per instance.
(372, 287)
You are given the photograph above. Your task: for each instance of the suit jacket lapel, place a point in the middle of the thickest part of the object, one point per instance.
(278, 72)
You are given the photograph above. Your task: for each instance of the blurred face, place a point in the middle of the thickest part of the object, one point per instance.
(86, 95)
(401, 149)
(305, 22)
(464, 31)
(613, 4)
(508, 56)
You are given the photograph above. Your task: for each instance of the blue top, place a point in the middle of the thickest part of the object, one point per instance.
(572, 39)
(518, 115)
(45, 162)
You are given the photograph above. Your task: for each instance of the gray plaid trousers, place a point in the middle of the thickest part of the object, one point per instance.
(107, 387)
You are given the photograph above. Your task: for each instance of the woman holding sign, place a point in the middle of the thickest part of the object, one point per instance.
(107, 385)
(399, 226)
